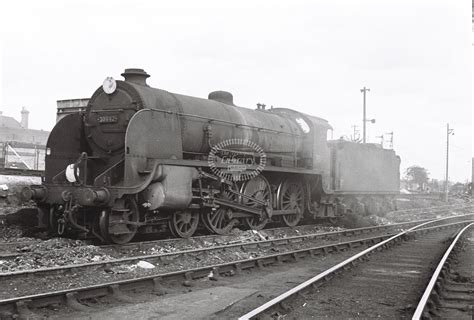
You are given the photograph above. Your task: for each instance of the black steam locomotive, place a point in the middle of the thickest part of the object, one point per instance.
(140, 159)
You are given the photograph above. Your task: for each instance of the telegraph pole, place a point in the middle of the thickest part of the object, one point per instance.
(446, 184)
(364, 90)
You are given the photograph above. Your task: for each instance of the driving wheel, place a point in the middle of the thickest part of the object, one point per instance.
(258, 189)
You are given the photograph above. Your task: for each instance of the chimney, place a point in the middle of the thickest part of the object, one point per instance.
(24, 118)
(135, 75)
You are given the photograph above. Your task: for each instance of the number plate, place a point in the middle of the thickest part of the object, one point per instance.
(107, 119)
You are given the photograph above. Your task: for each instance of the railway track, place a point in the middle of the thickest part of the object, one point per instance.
(13, 249)
(382, 287)
(433, 209)
(281, 232)
(449, 294)
(132, 253)
(154, 282)
(421, 213)
(16, 248)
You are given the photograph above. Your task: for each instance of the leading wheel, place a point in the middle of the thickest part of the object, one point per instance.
(258, 189)
(183, 224)
(291, 197)
(120, 223)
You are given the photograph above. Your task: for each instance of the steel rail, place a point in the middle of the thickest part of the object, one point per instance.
(279, 299)
(272, 231)
(140, 245)
(69, 296)
(427, 293)
(191, 274)
(143, 244)
(164, 256)
(435, 208)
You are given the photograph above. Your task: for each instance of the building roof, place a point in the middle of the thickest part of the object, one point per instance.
(9, 122)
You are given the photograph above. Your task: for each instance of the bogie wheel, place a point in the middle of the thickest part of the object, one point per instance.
(120, 223)
(259, 189)
(183, 224)
(290, 197)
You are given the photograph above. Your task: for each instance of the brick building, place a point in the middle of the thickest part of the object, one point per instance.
(13, 130)
(21, 147)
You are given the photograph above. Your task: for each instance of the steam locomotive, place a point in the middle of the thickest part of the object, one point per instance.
(141, 159)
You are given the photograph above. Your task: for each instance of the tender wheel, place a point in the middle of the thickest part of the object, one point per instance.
(183, 224)
(291, 196)
(120, 224)
(259, 189)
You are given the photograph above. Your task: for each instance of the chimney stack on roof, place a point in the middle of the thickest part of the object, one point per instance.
(24, 118)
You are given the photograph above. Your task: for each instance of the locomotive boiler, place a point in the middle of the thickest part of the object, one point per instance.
(140, 159)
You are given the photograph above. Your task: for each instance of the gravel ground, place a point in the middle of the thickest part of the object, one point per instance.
(11, 229)
(396, 217)
(30, 285)
(58, 252)
(404, 203)
(267, 282)
(196, 300)
(61, 251)
(52, 253)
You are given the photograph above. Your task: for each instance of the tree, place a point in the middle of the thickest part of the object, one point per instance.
(417, 175)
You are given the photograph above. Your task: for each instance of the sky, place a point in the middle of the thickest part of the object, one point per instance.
(311, 56)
